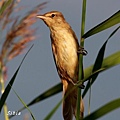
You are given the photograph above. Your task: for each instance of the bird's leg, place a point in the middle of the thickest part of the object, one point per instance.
(82, 86)
(82, 51)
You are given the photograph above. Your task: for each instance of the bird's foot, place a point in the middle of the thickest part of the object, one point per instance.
(82, 86)
(82, 51)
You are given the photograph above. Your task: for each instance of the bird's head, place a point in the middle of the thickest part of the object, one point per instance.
(53, 19)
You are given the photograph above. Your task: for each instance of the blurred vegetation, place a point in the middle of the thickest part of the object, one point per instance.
(15, 34)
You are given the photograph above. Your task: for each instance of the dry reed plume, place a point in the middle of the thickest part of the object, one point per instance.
(20, 31)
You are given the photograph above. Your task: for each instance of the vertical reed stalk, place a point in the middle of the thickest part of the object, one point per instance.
(81, 74)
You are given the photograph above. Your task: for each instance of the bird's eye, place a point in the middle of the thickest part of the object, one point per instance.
(53, 15)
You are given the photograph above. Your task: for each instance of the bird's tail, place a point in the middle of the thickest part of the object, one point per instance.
(70, 100)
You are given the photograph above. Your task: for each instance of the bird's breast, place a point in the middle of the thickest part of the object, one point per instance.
(65, 48)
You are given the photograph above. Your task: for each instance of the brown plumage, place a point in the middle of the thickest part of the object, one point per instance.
(64, 47)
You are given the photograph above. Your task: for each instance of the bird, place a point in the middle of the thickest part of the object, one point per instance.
(66, 50)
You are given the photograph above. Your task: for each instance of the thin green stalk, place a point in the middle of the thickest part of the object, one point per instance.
(5, 109)
(3, 7)
(5, 112)
(80, 74)
(89, 97)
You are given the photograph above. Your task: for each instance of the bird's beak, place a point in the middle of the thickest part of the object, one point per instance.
(41, 17)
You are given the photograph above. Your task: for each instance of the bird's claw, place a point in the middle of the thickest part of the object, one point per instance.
(82, 51)
(82, 86)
